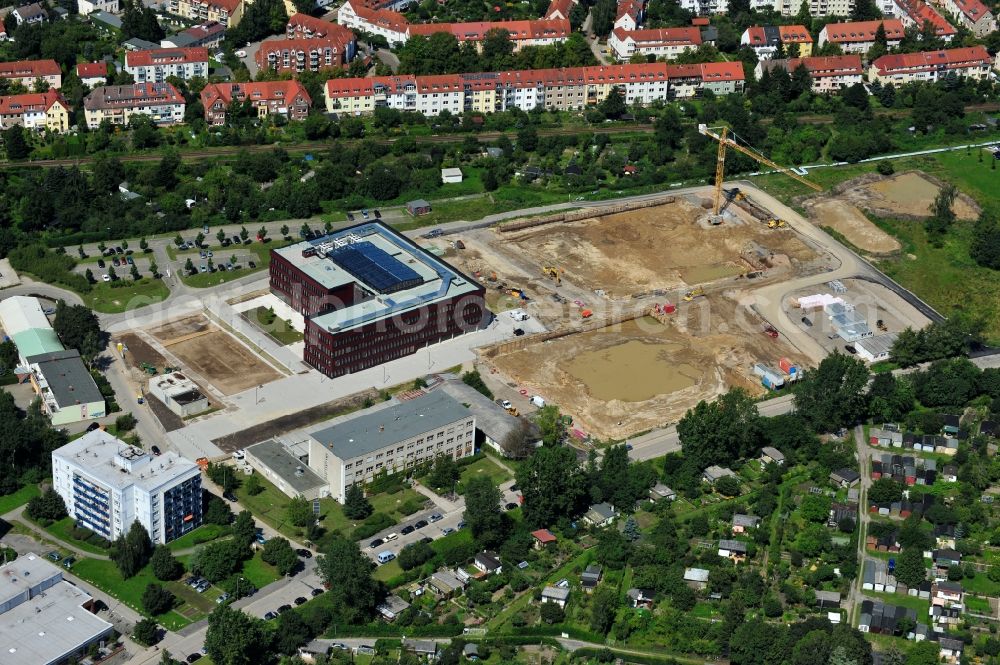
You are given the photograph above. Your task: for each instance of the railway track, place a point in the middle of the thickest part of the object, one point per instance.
(312, 146)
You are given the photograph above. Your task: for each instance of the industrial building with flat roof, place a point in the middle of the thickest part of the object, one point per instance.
(68, 391)
(179, 394)
(371, 295)
(391, 438)
(108, 484)
(278, 463)
(43, 618)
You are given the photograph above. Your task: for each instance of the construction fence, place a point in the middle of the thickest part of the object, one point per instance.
(586, 213)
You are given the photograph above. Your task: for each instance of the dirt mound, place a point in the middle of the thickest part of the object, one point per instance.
(905, 196)
(851, 223)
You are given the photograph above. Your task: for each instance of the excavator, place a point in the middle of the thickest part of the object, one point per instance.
(691, 295)
(554, 274)
(776, 224)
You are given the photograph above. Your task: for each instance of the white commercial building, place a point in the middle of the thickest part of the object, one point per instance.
(155, 65)
(874, 349)
(393, 438)
(85, 7)
(108, 484)
(45, 620)
(25, 323)
(179, 393)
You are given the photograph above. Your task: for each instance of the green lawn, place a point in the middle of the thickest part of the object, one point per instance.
(203, 534)
(62, 531)
(110, 299)
(278, 329)
(977, 605)
(483, 467)
(9, 502)
(982, 585)
(105, 576)
(259, 574)
(387, 571)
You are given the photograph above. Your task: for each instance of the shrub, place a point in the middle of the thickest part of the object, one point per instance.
(372, 525)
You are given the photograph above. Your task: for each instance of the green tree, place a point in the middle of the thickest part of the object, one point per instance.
(923, 653)
(15, 143)
(218, 512)
(603, 608)
(348, 574)
(444, 474)
(300, 512)
(415, 554)
(157, 600)
(131, 551)
(356, 505)
(942, 215)
(833, 395)
(78, 328)
(146, 632)
(163, 564)
(474, 380)
(279, 553)
(253, 485)
(552, 613)
(527, 138)
(815, 507)
(613, 106)
(244, 529)
(236, 638)
(910, 568)
(217, 561)
(727, 486)
(551, 425)
(292, 632)
(985, 245)
(552, 485)
(220, 236)
(144, 245)
(885, 491)
(49, 505)
(722, 431)
(488, 523)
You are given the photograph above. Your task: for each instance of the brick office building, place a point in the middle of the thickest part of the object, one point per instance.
(370, 295)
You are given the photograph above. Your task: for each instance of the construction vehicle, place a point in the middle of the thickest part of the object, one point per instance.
(149, 369)
(880, 324)
(586, 313)
(691, 295)
(720, 135)
(771, 331)
(492, 277)
(512, 410)
(554, 274)
(776, 224)
(733, 194)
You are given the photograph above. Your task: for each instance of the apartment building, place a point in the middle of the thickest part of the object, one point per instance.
(968, 62)
(384, 22)
(973, 14)
(559, 9)
(155, 65)
(557, 89)
(859, 36)
(45, 619)
(285, 98)
(226, 12)
(118, 103)
(828, 73)
(783, 7)
(301, 55)
(32, 13)
(665, 43)
(765, 40)
(539, 32)
(38, 110)
(705, 7)
(629, 14)
(919, 13)
(26, 72)
(390, 439)
(209, 34)
(108, 484)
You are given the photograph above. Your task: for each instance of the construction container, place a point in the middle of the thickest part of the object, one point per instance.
(786, 365)
(586, 313)
(772, 382)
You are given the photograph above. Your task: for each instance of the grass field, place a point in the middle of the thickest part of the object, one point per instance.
(943, 276)
(483, 467)
(105, 576)
(259, 574)
(62, 531)
(387, 571)
(981, 584)
(278, 329)
(203, 534)
(9, 502)
(104, 297)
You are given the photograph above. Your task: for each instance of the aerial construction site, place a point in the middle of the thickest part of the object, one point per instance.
(645, 306)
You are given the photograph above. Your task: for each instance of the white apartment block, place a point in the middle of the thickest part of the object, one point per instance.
(155, 65)
(665, 43)
(783, 7)
(859, 36)
(84, 7)
(393, 438)
(107, 485)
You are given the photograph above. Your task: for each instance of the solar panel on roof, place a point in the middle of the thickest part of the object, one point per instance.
(375, 267)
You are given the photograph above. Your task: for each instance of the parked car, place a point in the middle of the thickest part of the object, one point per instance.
(304, 553)
(460, 525)
(407, 530)
(119, 250)
(378, 215)
(54, 555)
(284, 608)
(427, 539)
(101, 263)
(252, 264)
(194, 658)
(316, 592)
(105, 278)
(261, 539)
(341, 646)
(301, 600)
(447, 530)
(510, 506)
(436, 517)
(420, 524)
(221, 599)
(806, 321)
(376, 543)
(130, 260)
(270, 615)
(155, 450)
(237, 241)
(68, 562)
(229, 496)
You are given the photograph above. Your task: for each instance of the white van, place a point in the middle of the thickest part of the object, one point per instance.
(518, 314)
(391, 536)
(385, 557)
(537, 401)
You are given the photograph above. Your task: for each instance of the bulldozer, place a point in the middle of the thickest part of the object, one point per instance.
(691, 295)
(776, 224)
(554, 274)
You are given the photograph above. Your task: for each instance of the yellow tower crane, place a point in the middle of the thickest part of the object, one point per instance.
(719, 134)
